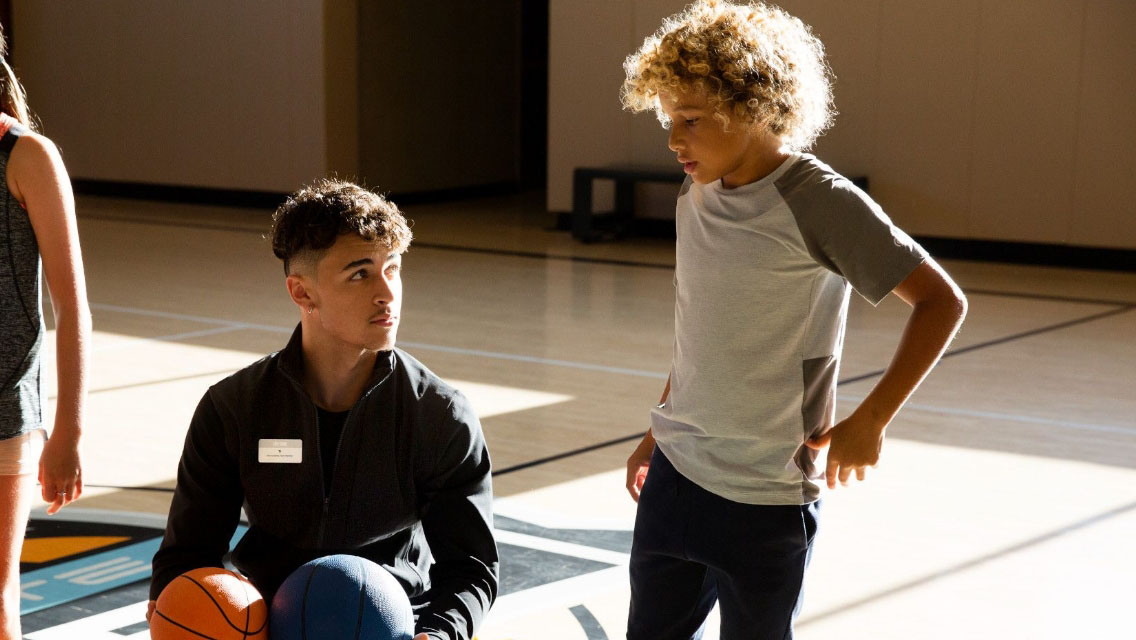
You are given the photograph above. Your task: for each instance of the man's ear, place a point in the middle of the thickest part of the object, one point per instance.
(301, 292)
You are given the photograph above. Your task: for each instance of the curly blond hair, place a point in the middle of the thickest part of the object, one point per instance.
(754, 61)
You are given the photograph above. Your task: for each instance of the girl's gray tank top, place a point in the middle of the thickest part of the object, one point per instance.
(21, 314)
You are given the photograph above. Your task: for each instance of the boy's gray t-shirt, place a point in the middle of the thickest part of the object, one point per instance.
(762, 279)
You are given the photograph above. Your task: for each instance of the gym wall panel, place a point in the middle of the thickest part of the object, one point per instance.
(208, 93)
(648, 137)
(921, 142)
(984, 119)
(1104, 196)
(588, 40)
(1025, 111)
(439, 94)
(851, 33)
(341, 86)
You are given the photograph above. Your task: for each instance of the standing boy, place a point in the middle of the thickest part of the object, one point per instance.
(770, 240)
(385, 461)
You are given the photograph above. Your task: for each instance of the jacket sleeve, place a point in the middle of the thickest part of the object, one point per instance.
(207, 501)
(458, 524)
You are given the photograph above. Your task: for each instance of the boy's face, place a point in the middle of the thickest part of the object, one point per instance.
(707, 150)
(357, 293)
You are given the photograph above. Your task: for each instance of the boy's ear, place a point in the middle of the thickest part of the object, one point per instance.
(300, 291)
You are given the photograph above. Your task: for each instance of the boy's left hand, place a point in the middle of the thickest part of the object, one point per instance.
(854, 445)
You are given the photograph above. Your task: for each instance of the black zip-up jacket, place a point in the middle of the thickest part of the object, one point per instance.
(411, 481)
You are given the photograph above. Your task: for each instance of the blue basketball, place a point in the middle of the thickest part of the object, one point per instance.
(341, 596)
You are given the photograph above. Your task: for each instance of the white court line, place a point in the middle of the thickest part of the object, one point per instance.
(555, 595)
(172, 337)
(414, 345)
(639, 373)
(97, 627)
(563, 548)
(182, 316)
(234, 325)
(1009, 417)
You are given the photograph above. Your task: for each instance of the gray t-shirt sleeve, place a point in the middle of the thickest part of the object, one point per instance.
(848, 233)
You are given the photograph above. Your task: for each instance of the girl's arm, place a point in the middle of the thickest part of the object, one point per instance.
(37, 178)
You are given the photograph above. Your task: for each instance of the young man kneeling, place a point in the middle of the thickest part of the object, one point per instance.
(340, 443)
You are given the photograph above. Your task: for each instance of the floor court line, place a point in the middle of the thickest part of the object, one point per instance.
(1008, 417)
(562, 548)
(235, 325)
(584, 259)
(1003, 340)
(173, 337)
(586, 366)
(497, 355)
(149, 383)
(970, 564)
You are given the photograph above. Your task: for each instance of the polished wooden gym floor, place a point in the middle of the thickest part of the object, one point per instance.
(1004, 506)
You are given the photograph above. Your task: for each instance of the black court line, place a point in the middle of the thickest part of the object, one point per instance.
(1012, 338)
(135, 385)
(592, 627)
(636, 436)
(180, 224)
(973, 347)
(128, 488)
(970, 564)
(1051, 298)
(534, 255)
(568, 454)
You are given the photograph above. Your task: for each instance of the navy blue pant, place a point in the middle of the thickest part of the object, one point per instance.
(692, 547)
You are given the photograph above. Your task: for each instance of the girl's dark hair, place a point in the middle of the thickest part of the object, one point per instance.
(311, 220)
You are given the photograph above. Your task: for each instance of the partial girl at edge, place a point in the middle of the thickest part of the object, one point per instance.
(38, 232)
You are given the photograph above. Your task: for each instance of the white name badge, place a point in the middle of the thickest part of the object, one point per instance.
(281, 451)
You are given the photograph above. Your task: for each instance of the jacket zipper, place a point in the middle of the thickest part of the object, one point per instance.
(323, 489)
(334, 462)
(319, 451)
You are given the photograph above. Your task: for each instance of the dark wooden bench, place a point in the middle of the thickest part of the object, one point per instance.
(618, 222)
(625, 178)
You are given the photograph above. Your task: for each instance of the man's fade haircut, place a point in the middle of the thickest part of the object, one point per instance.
(753, 61)
(311, 219)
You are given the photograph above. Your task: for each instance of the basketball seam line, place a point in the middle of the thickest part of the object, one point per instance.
(248, 611)
(215, 603)
(362, 601)
(304, 604)
(182, 626)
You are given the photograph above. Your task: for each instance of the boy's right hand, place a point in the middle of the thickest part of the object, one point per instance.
(638, 464)
(153, 604)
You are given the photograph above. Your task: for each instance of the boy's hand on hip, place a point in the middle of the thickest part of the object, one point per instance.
(853, 445)
(638, 464)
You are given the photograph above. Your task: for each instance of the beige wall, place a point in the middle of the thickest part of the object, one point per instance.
(439, 94)
(209, 93)
(989, 119)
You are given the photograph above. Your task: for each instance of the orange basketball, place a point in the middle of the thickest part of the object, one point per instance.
(210, 603)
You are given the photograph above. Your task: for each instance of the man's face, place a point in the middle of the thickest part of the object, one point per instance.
(707, 151)
(357, 291)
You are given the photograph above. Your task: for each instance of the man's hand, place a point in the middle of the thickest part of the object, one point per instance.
(854, 445)
(153, 604)
(638, 464)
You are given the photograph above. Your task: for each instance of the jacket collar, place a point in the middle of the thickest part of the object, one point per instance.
(291, 361)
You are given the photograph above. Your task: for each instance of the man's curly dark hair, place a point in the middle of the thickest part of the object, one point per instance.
(311, 219)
